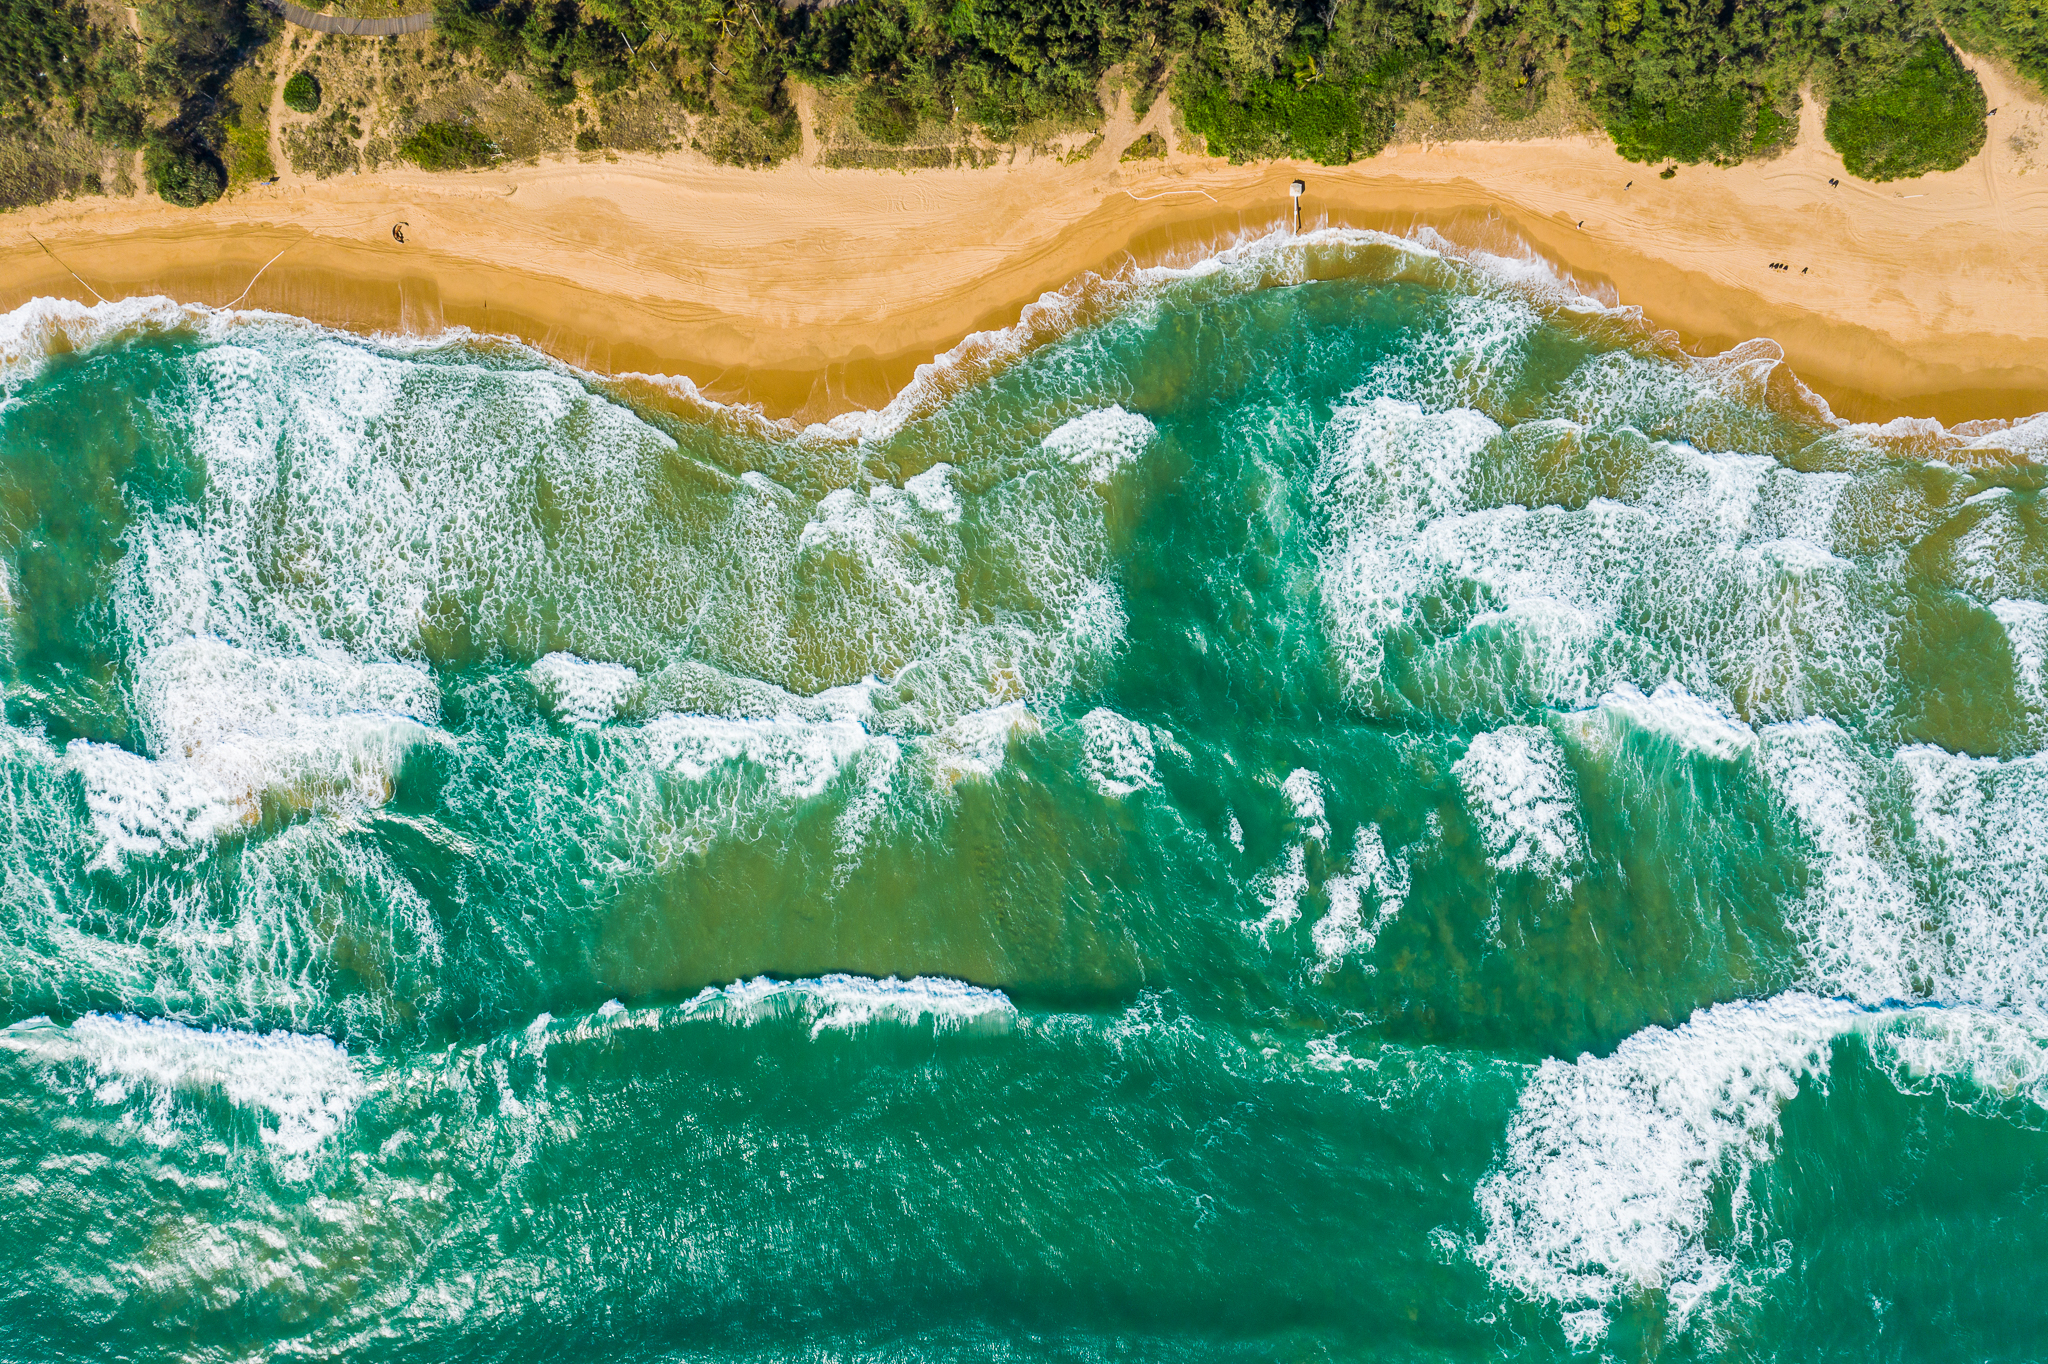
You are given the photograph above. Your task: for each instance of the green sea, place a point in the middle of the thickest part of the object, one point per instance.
(1342, 801)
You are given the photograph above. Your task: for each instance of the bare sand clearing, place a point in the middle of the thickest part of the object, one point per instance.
(812, 291)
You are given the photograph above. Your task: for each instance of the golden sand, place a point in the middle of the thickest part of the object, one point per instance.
(812, 291)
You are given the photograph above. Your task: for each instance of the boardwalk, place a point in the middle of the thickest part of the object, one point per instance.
(357, 28)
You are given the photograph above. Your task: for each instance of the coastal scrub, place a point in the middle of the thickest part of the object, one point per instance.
(1926, 116)
(447, 146)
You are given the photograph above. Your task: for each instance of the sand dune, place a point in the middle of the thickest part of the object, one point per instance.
(814, 290)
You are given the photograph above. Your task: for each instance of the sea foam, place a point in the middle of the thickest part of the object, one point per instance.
(831, 1003)
(230, 727)
(302, 1089)
(1520, 794)
(1606, 1186)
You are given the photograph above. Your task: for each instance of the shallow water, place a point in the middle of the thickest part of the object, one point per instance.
(1340, 803)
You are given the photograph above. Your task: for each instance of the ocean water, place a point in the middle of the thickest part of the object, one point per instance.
(1342, 802)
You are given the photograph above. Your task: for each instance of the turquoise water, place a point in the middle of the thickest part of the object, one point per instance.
(1344, 803)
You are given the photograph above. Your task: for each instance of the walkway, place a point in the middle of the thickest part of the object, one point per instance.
(355, 28)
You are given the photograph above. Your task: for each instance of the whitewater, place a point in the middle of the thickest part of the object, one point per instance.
(1343, 800)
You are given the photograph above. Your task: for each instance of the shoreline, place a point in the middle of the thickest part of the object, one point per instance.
(813, 292)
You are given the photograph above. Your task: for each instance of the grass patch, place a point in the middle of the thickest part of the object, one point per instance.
(447, 146)
(888, 120)
(1150, 147)
(248, 155)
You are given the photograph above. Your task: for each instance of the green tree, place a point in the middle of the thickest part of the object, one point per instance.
(1926, 114)
(1692, 80)
(302, 92)
(2014, 29)
(181, 172)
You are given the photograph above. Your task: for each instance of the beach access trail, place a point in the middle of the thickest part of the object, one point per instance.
(811, 291)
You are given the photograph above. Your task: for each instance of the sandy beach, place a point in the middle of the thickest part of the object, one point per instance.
(811, 291)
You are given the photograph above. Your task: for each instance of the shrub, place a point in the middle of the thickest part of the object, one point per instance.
(447, 146)
(1712, 130)
(1926, 116)
(589, 140)
(2014, 29)
(1150, 147)
(1324, 123)
(885, 118)
(179, 172)
(1775, 131)
(116, 123)
(302, 93)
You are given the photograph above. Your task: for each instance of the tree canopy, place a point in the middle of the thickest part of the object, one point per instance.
(1693, 81)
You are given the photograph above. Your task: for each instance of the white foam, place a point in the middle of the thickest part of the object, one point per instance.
(933, 491)
(974, 747)
(1304, 791)
(1520, 795)
(799, 757)
(303, 1089)
(864, 812)
(1716, 572)
(1344, 930)
(1281, 887)
(1992, 558)
(1678, 715)
(1857, 917)
(2026, 630)
(1979, 930)
(1983, 1062)
(1472, 358)
(141, 808)
(228, 727)
(580, 692)
(1391, 461)
(690, 686)
(1117, 753)
(831, 1003)
(1630, 1173)
(30, 333)
(1928, 872)
(1606, 1186)
(1100, 443)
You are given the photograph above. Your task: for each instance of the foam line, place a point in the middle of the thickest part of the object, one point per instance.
(302, 1088)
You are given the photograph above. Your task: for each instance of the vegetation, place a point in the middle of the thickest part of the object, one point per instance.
(945, 82)
(1928, 115)
(1148, 147)
(1673, 81)
(2016, 30)
(447, 146)
(302, 92)
(181, 171)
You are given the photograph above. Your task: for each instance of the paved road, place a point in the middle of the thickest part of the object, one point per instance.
(358, 28)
